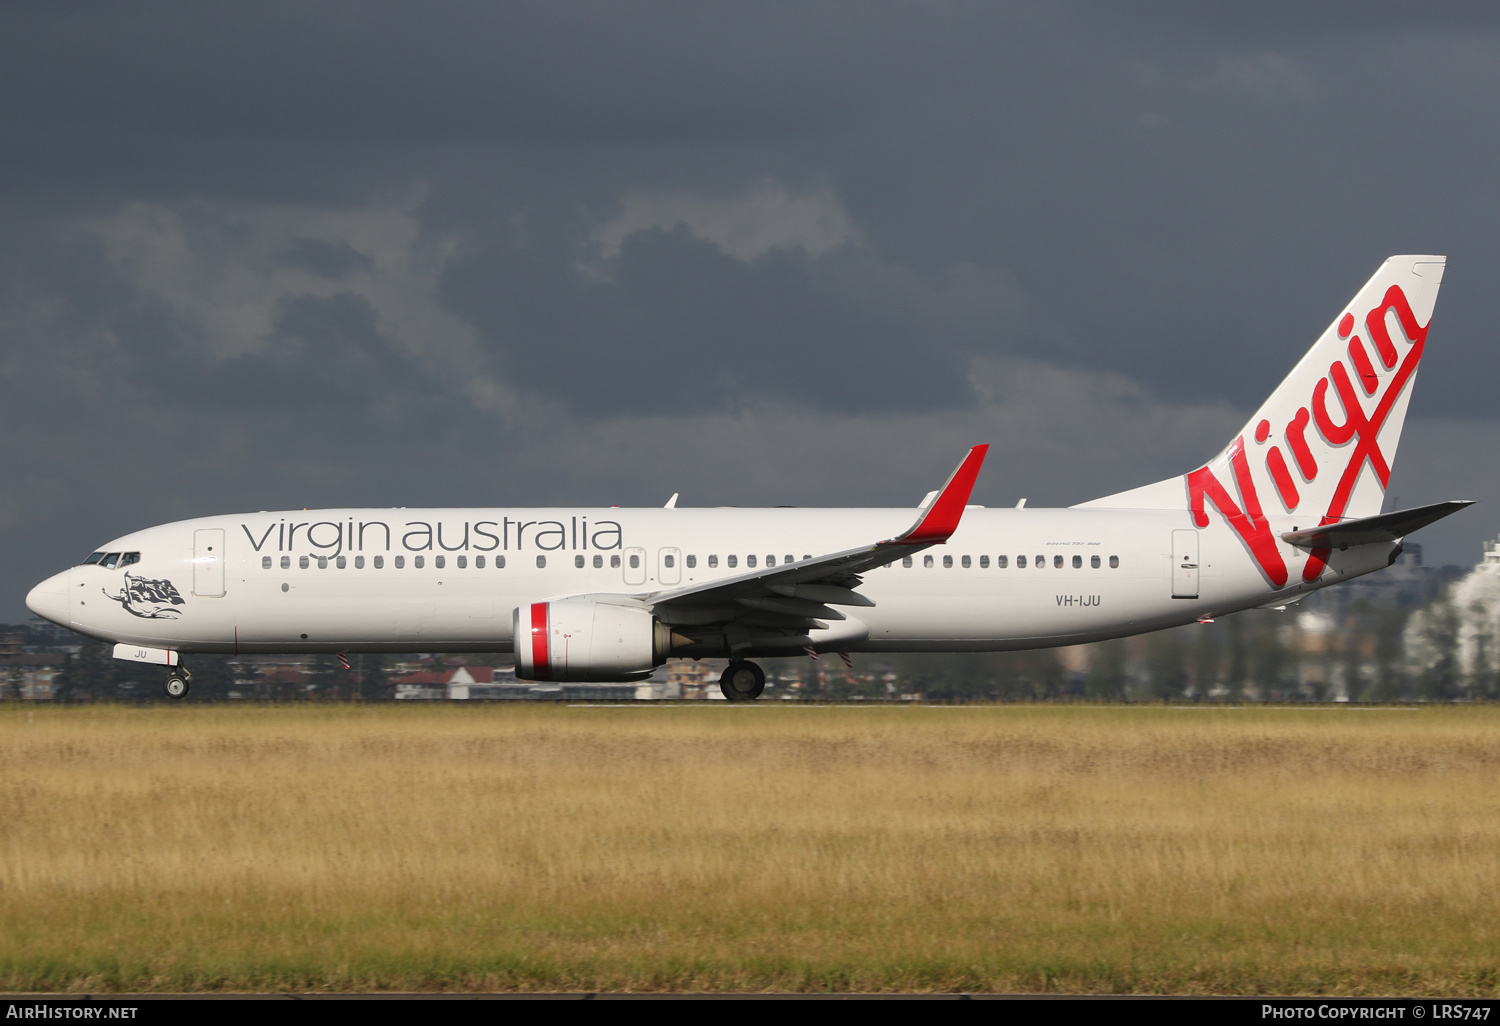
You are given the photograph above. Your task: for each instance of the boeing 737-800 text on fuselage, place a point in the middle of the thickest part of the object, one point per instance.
(1291, 505)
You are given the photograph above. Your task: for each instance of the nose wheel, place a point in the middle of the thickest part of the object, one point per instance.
(176, 684)
(742, 681)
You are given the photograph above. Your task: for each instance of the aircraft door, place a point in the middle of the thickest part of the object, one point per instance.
(1185, 564)
(635, 566)
(668, 566)
(208, 563)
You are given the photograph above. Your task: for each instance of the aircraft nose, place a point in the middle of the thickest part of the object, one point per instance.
(50, 599)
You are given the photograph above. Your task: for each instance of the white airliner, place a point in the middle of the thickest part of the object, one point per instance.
(1293, 504)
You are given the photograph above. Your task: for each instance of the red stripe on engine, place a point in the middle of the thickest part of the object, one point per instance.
(540, 663)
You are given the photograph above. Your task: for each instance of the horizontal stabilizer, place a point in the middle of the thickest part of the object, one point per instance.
(1386, 527)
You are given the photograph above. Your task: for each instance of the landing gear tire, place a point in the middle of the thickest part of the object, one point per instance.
(176, 686)
(742, 681)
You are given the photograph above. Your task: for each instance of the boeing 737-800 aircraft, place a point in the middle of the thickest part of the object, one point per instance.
(1291, 505)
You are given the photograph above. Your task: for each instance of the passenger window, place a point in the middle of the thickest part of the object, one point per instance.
(302, 562)
(541, 562)
(927, 562)
(732, 561)
(1094, 562)
(417, 561)
(966, 562)
(478, 562)
(359, 562)
(614, 562)
(635, 562)
(400, 562)
(111, 561)
(1021, 562)
(499, 562)
(1114, 561)
(770, 561)
(265, 562)
(1001, 562)
(342, 562)
(134, 557)
(692, 561)
(668, 561)
(750, 562)
(906, 561)
(1057, 562)
(322, 562)
(1077, 562)
(1039, 562)
(947, 562)
(463, 562)
(94, 557)
(789, 559)
(598, 562)
(286, 562)
(578, 562)
(438, 561)
(379, 562)
(713, 562)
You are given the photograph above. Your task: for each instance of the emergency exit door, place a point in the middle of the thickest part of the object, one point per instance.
(208, 563)
(635, 566)
(1185, 564)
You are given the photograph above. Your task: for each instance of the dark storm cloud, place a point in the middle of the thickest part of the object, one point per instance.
(291, 254)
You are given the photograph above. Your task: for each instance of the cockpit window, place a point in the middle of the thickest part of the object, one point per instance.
(94, 557)
(110, 560)
(130, 557)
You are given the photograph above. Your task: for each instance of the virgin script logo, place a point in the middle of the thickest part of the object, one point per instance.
(1358, 430)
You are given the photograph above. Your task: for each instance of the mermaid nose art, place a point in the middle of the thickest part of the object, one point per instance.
(50, 599)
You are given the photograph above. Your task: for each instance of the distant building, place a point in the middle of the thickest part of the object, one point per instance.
(33, 675)
(685, 678)
(499, 683)
(1465, 627)
(424, 685)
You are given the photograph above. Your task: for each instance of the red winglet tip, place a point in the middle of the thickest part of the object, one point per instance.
(948, 508)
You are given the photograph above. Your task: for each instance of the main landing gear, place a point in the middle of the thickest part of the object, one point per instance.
(742, 681)
(176, 684)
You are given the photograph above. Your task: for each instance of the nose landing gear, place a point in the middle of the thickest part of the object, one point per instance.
(176, 684)
(742, 681)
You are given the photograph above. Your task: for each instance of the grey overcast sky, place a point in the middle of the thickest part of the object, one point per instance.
(277, 255)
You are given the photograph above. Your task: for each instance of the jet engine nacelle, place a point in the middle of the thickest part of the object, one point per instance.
(582, 639)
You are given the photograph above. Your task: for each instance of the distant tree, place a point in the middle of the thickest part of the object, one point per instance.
(91, 673)
(1204, 651)
(213, 677)
(1107, 680)
(371, 678)
(14, 679)
(1441, 679)
(1236, 669)
(1166, 672)
(62, 683)
(327, 678)
(1388, 681)
(1269, 660)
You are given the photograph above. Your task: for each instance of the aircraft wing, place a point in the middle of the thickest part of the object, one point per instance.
(1386, 527)
(798, 596)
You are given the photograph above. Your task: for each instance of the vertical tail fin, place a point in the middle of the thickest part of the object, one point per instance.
(1323, 444)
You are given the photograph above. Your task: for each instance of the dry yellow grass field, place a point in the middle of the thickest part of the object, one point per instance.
(710, 847)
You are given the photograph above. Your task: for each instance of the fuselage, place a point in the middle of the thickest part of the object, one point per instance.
(412, 580)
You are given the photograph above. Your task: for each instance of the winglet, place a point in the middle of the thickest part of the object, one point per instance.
(940, 519)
